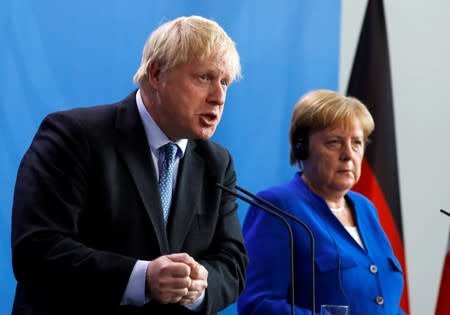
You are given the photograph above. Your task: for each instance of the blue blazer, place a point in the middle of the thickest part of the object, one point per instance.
(369, 279)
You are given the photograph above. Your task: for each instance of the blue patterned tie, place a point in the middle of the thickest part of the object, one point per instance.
(166, 161)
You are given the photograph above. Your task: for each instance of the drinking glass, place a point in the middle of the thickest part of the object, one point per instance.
(333, 310)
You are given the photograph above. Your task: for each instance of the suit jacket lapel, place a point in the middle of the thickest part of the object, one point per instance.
(134, 149)
(187, 197)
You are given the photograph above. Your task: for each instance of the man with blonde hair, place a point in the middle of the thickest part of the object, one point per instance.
(116, 209)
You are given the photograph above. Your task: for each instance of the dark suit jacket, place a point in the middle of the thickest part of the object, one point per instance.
(86, 207)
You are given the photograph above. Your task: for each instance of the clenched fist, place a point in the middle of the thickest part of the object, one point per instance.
(176, 278)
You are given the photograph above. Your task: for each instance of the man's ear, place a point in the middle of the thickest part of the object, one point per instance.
(154, 74)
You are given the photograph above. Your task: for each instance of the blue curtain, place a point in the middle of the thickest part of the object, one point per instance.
(60, 54)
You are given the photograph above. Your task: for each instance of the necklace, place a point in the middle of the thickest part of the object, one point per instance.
(338, 209)
(335, 210)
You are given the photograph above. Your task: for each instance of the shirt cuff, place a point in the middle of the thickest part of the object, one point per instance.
(197, 305)
(135, 291)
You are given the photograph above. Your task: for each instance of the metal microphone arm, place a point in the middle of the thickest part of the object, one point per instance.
(308, 230)
(288, 227)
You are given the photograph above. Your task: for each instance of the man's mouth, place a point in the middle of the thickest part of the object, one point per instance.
(208, 119)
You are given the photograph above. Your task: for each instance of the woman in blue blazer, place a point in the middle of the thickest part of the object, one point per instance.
(354, 262)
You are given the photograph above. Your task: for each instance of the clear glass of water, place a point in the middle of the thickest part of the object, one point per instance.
(334, 310)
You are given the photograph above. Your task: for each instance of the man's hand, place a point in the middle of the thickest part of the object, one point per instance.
(198, 276)
(199, 282)
(168, 278)
(176, 278)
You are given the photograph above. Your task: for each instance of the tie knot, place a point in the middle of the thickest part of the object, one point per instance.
(169, 151)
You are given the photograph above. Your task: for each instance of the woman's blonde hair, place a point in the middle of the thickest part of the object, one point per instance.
(185, 38)
(320, 109)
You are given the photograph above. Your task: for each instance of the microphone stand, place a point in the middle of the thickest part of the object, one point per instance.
(310, 234)
(288, 227)
(445, 212)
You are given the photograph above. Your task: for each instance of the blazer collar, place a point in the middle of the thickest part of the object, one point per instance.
(187, 197)
(134, 149)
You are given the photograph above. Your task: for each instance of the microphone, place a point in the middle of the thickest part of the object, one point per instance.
(445, 212)
(288, 227)
(311, 240)
(292, 217)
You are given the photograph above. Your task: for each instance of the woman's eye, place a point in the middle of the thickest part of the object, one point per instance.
(333, 142)
(358, 144)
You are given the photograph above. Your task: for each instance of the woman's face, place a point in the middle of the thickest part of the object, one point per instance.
(335, 157)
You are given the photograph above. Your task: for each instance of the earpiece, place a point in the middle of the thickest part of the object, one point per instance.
(301, 150)
(301, 145)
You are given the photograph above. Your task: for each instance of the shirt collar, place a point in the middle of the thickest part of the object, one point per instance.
(155, 136)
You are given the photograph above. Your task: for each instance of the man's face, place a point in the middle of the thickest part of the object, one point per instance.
(190, 99)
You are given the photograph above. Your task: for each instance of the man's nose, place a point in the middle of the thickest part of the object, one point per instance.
(217, 93)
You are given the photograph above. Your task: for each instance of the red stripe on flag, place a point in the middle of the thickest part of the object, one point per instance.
(368, 185)
(443, 303)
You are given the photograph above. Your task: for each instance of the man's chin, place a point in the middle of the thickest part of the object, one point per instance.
(205, 134)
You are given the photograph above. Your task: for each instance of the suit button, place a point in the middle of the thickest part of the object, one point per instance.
(379, 300)
(373, 269)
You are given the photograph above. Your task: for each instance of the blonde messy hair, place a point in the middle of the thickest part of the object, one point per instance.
(180, 40)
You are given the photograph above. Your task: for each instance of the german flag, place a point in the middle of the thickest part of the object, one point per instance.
(370, 82)
(443, 302)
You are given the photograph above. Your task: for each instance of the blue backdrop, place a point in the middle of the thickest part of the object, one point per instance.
(60, 54)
